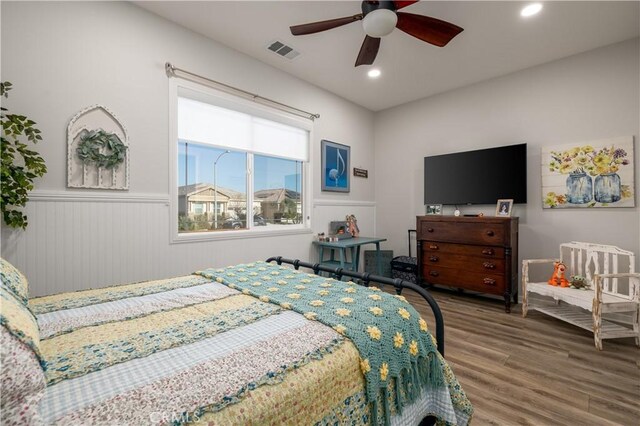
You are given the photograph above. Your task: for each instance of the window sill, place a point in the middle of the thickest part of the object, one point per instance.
(236, 235)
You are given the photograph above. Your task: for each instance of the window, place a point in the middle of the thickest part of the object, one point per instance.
(277, 187)
(210, 180)
(240, 168)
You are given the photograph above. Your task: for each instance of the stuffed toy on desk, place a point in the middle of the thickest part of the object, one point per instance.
(352, 225)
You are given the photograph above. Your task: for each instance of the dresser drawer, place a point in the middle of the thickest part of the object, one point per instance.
(467, 263)
(474, 281)
(489, 252)
(489, 233)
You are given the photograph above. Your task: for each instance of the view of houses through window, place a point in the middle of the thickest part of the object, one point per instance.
(212, 190)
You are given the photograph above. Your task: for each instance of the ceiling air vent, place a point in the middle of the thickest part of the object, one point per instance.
(282, 49)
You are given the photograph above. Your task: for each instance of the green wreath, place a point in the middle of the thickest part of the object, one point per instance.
(92, 141)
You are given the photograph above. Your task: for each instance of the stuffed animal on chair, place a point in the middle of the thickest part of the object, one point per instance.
(558, 278)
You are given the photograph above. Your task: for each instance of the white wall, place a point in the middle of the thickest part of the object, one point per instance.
(63, 57)
(586, 97)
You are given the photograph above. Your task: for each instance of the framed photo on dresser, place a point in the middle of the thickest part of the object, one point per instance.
(504, 207)
(434, 209)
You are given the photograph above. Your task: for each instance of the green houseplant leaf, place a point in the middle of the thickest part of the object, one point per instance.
(20, 165)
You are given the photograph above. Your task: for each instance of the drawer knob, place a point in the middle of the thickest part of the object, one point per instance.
(434, 273)
(489, 265)
(429, 229)
(433, 258)
(490, 233)
(488, 251)
(433, 247)
(489, 281)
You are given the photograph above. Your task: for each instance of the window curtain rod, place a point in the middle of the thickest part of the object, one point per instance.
(172, 72)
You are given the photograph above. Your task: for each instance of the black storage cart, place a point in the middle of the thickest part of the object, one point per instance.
(405, 267)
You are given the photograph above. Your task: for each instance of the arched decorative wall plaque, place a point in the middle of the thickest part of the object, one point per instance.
(97, 150)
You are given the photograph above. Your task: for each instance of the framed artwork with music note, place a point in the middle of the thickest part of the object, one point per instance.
(335, 166)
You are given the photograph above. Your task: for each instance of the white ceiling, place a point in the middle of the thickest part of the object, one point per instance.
(495, 41)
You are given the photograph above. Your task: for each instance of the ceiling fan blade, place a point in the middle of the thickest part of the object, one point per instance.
(400, 4)
(316, 27)
(368, 51)
(428, 29)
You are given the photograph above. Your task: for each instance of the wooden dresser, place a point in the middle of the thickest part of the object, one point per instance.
(471, 253)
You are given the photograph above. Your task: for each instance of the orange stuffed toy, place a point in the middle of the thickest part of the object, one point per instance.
(558, 278)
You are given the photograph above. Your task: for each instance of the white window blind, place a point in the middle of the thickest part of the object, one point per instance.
(213, 125)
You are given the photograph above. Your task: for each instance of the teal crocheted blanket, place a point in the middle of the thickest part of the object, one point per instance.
(391, 337)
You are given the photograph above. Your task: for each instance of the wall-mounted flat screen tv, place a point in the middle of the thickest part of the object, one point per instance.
(477, 177)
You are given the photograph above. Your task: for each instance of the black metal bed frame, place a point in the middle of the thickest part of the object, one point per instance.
(366, 278)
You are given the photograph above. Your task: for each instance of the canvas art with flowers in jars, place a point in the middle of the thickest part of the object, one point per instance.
(595, 174)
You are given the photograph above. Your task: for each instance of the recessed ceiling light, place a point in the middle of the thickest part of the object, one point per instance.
(531, 9)
(374, 73)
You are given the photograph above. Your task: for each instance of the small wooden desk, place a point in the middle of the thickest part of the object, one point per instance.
(353, 244)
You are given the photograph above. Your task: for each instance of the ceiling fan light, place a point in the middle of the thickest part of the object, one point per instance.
(379, 23)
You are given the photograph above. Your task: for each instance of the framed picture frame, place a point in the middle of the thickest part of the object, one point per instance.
(504, 207)
(335, 166)
(589, 174)
(433, 209)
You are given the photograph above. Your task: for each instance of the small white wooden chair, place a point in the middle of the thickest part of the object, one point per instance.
(614, 288)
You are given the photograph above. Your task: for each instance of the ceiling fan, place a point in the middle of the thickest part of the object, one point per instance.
(379, 18)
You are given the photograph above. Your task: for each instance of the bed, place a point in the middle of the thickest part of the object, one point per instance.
(262, 343)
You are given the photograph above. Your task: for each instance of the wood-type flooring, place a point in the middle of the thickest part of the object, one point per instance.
(536, 370)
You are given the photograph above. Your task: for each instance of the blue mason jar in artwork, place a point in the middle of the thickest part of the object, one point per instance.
(607, 188)
(579, 188)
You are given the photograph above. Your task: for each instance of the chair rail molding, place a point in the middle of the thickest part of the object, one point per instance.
(77, 196)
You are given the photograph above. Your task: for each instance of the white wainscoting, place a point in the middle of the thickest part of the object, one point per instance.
(85, 240)
(80, 240)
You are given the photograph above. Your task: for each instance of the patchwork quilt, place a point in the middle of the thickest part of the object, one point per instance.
(249, 344)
